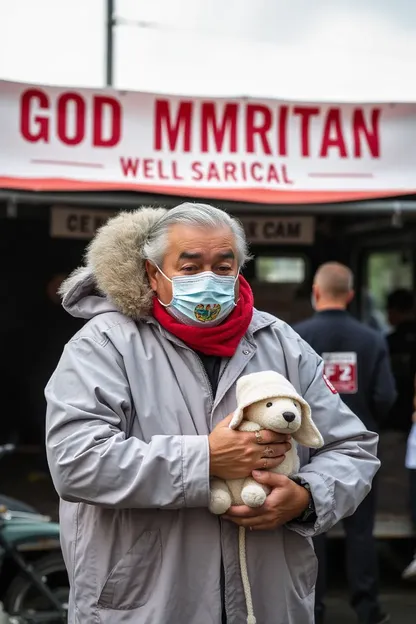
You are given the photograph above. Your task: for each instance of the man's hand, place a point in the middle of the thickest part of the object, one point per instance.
(286, 501)
(235, 454)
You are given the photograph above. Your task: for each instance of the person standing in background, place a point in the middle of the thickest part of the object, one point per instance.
(357, 364)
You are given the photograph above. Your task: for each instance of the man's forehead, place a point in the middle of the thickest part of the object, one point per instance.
(194, 242)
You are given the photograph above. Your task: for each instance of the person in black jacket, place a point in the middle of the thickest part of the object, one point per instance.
(357, 365)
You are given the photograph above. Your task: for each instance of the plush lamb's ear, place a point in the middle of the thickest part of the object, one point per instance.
(237, 418)
(308, 434)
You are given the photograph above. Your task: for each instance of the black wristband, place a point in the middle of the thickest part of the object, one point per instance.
(309, 514)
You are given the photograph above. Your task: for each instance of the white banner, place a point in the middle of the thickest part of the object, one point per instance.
(237, 149)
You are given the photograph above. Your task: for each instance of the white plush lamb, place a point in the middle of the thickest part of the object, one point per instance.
(265, 400)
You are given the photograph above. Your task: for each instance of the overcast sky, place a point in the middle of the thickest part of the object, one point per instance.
(300, 49)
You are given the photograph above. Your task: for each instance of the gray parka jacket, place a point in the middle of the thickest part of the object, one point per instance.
(129, 412)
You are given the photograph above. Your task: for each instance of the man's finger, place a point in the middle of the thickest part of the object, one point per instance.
(276, 450)
(268, 463)
(272, 479)
(243, 511)
(247, 522)
(265, 526)
(260, 523)
(265, 436)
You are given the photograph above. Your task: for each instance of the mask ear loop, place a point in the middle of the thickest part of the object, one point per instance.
(161, 272)
(235, 281)
(165, 305)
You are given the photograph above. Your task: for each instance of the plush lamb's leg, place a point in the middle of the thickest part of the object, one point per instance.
(220, 497)
(253, 493)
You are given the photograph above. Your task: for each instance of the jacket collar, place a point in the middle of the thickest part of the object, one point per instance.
(333, 312)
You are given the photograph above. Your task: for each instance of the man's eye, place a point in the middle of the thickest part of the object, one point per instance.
(189, 269)
(269, 404)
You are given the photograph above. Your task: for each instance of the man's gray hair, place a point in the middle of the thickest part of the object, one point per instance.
(194, 215)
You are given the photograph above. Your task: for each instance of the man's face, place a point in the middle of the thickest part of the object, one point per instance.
(191, 251)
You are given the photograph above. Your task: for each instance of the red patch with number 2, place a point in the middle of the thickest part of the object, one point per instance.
(340, 370)
(329, 384)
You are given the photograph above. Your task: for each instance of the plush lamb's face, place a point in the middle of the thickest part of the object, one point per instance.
(281, 415)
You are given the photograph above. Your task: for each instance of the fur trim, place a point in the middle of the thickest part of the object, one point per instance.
(80, 275)
(114, 262)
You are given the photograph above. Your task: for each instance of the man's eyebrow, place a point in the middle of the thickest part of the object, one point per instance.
(197, 255)
(190, 255)
(226, 255)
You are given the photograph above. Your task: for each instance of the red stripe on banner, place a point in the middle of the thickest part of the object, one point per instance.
(265, 196)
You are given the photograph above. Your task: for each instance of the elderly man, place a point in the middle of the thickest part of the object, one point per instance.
(137, 423)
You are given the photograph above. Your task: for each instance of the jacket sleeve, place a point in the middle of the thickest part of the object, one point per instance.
(339, 474)
(90, 455)
(384, 386)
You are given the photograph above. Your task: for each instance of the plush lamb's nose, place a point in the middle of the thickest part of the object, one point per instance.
(289, 416)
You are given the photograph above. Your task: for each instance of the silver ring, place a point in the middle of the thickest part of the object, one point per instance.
(268, 451)
(258, 437)
(266, 463)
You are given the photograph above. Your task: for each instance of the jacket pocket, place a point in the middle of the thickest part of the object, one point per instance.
(301, 562)
(131, 581)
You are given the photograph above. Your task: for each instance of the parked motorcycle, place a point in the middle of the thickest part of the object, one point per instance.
(34, 585)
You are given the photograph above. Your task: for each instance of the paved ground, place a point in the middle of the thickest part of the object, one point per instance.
(401, 606)
(397, 597)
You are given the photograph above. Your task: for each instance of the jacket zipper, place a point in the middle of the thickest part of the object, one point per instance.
(208, 383)
(224, 605)
(222, 570)
(223, 370)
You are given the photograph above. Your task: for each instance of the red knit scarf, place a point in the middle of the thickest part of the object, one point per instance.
(221, 340)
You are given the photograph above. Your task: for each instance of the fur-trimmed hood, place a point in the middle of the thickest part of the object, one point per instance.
(113, 277)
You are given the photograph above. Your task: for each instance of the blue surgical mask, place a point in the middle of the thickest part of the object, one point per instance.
(202, 299)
